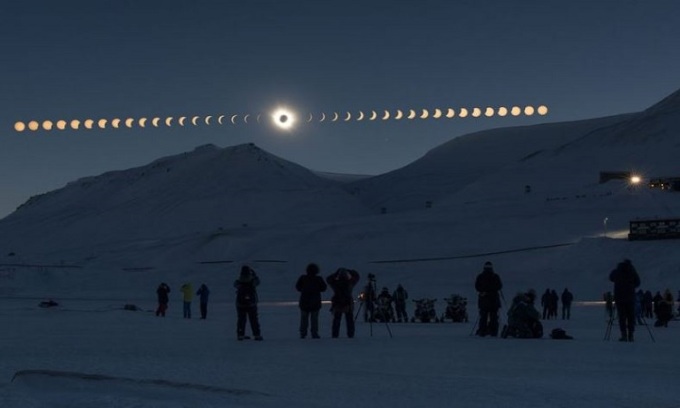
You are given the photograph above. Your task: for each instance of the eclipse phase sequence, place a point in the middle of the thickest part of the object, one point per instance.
(281, 118)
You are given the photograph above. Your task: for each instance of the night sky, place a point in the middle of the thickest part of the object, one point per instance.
(106, 59)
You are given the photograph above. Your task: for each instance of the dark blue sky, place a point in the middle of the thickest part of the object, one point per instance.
(106, 59)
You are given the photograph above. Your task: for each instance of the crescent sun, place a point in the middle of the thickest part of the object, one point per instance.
(207, 119)
(450, 113)
(335, 116)
(245, 118)
(219, 119)
(476, 112)
(168, 121)
(310, 118)
(437, 113)
(101, 123)
(323, 117)
(425, 114)
(194, 120)
(361, 115)
(463, 112)
(399, 114)
(142, 122)
(349, 116)
(374, 115)
(233, 119)
(181, 120)
(115, 123)
(154, 121)
(387, 115)
(411, 114)
(129, 122)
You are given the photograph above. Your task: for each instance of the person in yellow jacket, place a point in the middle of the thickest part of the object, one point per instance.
(187, 295)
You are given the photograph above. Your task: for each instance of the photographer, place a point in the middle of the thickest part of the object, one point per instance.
(342, 282)
(246, 303)
(369, 299)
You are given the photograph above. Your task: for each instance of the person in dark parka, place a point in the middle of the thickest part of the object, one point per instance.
(342, 282)
(626, 280)
(246, 303)
(488, 285)
(310, 285)
(163, 299)
(204, 293)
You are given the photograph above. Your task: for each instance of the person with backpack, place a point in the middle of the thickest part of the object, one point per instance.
(246, 303)
(342, 282)
(204, 294)
(626, 280)
(163, 299)
(187, 296)
(400, 295)
(488, 285)
(310, 285)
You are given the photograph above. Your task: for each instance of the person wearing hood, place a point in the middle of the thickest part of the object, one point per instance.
(310, 285)
(488, 285)
(626, 280)
(246, 303)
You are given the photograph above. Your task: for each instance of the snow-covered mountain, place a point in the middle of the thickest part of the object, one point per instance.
(181, 216)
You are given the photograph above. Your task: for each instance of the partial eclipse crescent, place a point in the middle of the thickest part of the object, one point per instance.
(142, 122)
(323, 117)
(425, 114)
(374, 115)
(437, 113)
(115, 123)
(386, 115)
(361, 116)
(349, 117)
(233, 119)
(154, 121)
(181, 120)
(411, 114)
(463, 112)
(311, 117)
(194, 120)
(450, 113)
(168, 121)
(335, 116)
(129, 122)
(245, 118)
(207, 120)
(399, 114)
(219, 119)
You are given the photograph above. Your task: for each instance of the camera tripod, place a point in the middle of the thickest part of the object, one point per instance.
(610, 324)
(367, 298)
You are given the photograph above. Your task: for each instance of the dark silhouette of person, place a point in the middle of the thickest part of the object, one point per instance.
(310, 285)
(488, 285)
(246, 303)
(163, 299)
(400, 295)
(626, 280)
(204, 294)
(342, 282)
(545, 302)
(567, 298)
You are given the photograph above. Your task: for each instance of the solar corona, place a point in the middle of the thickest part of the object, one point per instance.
(282, 118)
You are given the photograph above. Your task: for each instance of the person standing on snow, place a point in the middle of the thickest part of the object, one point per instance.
(342, 282)
(310, 285)
(488, 285)
(187, 296)
(246, 303)
(400, 295)
(203, 293)
(567, 298)
(163, 299)
(626, 280)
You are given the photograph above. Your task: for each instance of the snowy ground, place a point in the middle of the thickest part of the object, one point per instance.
(137, 360)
